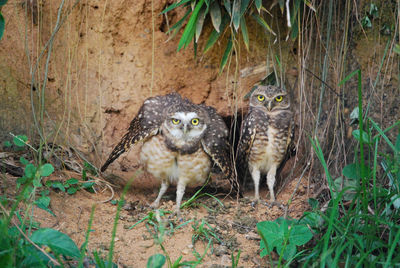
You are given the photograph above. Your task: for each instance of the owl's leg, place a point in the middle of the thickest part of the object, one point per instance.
(180, 191)
(271, 182)
(255, 174)
(163, 189)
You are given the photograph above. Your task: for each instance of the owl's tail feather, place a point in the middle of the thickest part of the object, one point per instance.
(121, 148)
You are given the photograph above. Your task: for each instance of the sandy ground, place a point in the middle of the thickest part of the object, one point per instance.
(234, 223)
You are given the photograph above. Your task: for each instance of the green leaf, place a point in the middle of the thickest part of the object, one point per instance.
(313, 219)
(366, 22)
(245, 33)
(72, 190)
(23, 161)
(258, 5)
(6, 144)
(397, 145)
(228, 7)
(300, 235)
(88, 184)
(30, 171)
(188, 33)
(373, 10)
(56, 185)
(20, 140)
(3, 2)
(314, 204)
(215, 13)
(263, 23)
(46, 170)
(236, 14)
(200, 23)
(56, 241)
(349, 186)
(44, 192)
(272, 233)
(72, 181)
(22, 180)
(2, 25)
(289, 252)
(352, 171)
(396, 49)
(243, 7)
(37, 181)
(174, 5)
(43, 203)
(294, 31)
(156, 261)
(225, 57)
(348, 77)
(365, 137)
(43, 200)
(215, 35)
(177, 26)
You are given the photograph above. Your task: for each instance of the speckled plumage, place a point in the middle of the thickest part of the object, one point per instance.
(266, 133)
(175, 149)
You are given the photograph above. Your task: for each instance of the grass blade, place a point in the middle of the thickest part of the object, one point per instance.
(392, 248)
(189, 31)
(258, 5)
(200, 23)
(243, 7)
(215, 35)
(2, 25)
(263, 23)
(375, 125)
(236, 14)
(228, 7)
(84, 245)
(215, 13)
(174, 5)
(245, 33)
(348, 77)
(114, 230)
(226, 55)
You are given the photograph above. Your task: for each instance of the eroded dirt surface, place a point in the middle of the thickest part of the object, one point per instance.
(234, 223)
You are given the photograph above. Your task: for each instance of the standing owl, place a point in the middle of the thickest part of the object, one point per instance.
(181, 142)
(266, 133)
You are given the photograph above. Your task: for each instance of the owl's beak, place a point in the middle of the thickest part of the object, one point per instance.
(268, 105)
(184, 129)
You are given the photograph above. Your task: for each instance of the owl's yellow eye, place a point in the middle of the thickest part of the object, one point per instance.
(279, 98)
(175, 121)
(260, 98)
(195, 121)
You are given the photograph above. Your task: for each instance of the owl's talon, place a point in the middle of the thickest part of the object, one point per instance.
(154, 205)
(273, 203)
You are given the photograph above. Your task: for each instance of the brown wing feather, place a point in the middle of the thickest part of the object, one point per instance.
(135, 134)
(215, 144)
(247, 136)
(141, 127)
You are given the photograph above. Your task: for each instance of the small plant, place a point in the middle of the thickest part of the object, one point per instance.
(2, 21)
(156, 261)
(229, 19)
(283, 235)
(71, 186)
(235, 260)
(371, 14)
(19, 141)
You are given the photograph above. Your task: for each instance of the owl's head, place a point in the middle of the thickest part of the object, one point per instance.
(185, 125)
(270, 98)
